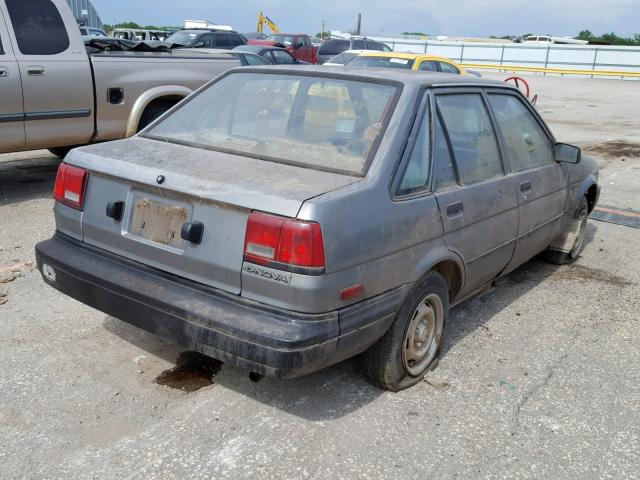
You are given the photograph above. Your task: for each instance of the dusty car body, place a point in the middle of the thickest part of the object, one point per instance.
(325, 214)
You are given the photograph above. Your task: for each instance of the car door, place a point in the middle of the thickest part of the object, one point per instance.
(11, 106)
(542, 183)
(54, 68)
(302, 48)
(478, 203)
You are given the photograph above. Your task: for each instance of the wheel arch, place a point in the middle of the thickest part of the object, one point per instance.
(449, 265)
(167, 92)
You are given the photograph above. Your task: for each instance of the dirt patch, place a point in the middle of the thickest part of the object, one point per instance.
(616, 149)
(579, 272)
(193, 371)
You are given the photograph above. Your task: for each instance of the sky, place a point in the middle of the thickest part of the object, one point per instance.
(435, 17)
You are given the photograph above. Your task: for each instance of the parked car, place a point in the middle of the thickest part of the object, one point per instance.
(247, 58)
(98, 97)
(286, 219)
(206, 39)
(254, 35)
(92, 32)
(345, 57)
(297, 44)
(407, 61)
(141, 35)
(330, 48)
(273, 55)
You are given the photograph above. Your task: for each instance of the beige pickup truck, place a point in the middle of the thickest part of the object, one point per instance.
(55, 95)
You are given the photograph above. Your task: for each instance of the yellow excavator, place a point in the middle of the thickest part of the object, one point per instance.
(262, 19)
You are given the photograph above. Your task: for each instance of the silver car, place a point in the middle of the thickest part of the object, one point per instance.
(286, 219)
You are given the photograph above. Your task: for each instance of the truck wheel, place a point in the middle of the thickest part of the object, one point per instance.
(563, 258)
(60, 151)
(153, 111)
(411, 346)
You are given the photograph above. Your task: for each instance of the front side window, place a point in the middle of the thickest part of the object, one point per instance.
(222, 40)
(473, 140)
(448, 68)
(381, 62)
(333, 47)
(527, 143)
(416, 175)
(282, 58)
(38, 27)
(324, 123)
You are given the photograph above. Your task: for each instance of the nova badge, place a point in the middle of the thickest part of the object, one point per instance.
(261, 272)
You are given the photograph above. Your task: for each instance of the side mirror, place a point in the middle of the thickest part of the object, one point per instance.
(198, 45)
(566, 153)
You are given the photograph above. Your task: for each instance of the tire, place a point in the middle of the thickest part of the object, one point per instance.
(60, 151)
(564, 258)
(411, 346)
(152, 112)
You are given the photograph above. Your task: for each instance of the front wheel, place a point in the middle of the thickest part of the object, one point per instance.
(411, 346)
(563, 258)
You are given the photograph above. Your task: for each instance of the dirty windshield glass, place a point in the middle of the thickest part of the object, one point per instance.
(325, 123)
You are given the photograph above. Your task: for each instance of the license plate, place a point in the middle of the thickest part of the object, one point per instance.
(158, 222)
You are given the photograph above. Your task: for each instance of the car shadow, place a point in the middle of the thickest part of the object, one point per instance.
(27, 176)
(341, 389)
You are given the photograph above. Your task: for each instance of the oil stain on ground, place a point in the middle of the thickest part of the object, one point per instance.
(580, 272)
(193, 371)
(617, 149)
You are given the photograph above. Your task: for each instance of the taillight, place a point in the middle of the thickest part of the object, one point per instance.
(281, 242)
(70, 185)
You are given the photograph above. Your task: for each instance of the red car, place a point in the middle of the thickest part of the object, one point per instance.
(297, 44)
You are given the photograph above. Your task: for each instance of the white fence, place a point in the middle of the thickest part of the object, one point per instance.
(566, 57)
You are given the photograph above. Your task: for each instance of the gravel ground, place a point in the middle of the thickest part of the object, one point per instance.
(539, 377)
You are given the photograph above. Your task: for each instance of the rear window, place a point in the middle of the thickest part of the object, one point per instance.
(323, 123)
(382, 62)
(38, 27)
(284, 39)
(333, 47)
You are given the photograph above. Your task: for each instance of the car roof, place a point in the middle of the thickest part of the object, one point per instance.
(251, 48)
(405, 56)
(406, 77)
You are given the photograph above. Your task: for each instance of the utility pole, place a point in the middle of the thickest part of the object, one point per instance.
(322, 34)
(359, 26)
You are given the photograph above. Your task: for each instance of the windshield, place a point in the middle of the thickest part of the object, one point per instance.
(182, 38)
(285, 39)
(382, 62)
(324, 123)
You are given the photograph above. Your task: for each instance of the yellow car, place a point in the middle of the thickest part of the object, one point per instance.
(409, 61)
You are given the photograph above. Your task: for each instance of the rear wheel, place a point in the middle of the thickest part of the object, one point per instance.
(60, 151)
(562, 258)
(153, 111)
(410, 348)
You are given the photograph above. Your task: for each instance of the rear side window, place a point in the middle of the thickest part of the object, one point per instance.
(526, 141)
(333, 47)
(1, 49)
(448, 68)
(429, 66)
(318, 122)
(358, 45)
(255, 60)
(237, 40)
(416, 175)
(381, 47)
(444, 171)
(38, 27)
(222, 40)
(473, 140)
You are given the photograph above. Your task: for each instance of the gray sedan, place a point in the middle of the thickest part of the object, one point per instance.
(286, 219)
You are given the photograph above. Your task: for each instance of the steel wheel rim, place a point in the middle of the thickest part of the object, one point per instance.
(423, 335)
(577, 246)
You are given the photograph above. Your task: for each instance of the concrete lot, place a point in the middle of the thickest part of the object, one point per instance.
(539, 377)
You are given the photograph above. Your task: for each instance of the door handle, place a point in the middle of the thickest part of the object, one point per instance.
(455, 209)
(35, 70)
(525, 186)
(4, 72)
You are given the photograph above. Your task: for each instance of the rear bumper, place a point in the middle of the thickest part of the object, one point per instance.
(251, 335)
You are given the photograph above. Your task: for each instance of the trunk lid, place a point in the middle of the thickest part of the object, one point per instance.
(218, 189)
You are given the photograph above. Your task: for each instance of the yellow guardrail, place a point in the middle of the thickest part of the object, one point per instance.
(514, 68)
